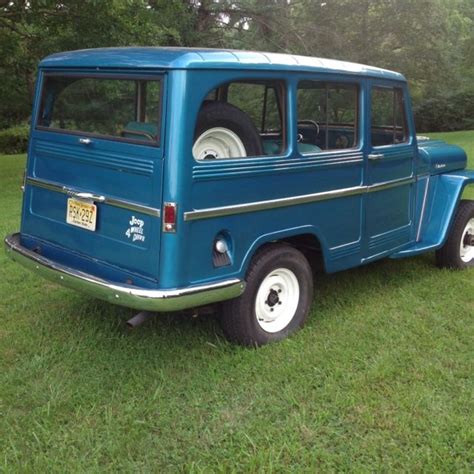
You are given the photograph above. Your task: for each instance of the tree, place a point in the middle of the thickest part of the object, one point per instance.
(430, 41)
(30, 30)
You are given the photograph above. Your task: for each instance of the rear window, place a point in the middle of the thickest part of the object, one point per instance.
(124, 109)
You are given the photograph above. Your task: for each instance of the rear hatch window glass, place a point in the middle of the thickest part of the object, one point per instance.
(123, 109)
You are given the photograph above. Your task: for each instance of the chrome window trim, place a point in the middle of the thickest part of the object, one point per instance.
(293, 200)
(122, 203)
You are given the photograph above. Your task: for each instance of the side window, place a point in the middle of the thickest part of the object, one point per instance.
(272, 113)
(152, 94)
(327, 116)
(239, 120)
(389, 125)
(248, 98)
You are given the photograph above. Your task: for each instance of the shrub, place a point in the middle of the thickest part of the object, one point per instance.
(14, 139)
(454, 111)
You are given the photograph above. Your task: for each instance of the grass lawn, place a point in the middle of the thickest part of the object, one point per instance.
(380, 379)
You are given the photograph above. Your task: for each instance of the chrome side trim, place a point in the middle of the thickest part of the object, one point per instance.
(423, 208)
(270, 204)
(373, 188)
(292, 201)
(41, 183)
(121, 294)
(131, 206)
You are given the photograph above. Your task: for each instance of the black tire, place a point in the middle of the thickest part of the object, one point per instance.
(221, 114)
(449, 256)
(239, 319)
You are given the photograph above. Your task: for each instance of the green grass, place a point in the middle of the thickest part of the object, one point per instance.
(380, 379)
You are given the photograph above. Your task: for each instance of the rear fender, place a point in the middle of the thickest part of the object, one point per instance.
(281, 235)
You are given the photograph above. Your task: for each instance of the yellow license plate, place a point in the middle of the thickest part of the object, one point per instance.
(81, 214)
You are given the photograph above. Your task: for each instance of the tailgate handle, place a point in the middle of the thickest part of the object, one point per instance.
(89, 196)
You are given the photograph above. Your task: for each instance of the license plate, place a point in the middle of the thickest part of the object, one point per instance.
(81, 214)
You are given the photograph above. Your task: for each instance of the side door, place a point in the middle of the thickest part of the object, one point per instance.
(390, 166)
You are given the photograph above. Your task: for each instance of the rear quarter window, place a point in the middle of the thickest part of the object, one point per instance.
(241, 119)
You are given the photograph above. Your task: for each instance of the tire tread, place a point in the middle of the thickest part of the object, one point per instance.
(240, 327)
(448, 255)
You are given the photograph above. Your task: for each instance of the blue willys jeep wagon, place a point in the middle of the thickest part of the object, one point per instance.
(163, 179)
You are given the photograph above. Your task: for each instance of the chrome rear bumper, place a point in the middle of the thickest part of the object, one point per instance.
(124, 295)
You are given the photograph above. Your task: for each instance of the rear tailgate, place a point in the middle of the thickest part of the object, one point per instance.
(119, 172)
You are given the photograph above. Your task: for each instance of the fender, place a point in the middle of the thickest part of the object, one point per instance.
(281, 234)
(439, 209)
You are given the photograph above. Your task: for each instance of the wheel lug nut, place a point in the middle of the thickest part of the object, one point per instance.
(271, 309)
(279, 302)
(279, 291)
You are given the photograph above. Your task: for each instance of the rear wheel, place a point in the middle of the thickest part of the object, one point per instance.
(276, 300)
(458, 251)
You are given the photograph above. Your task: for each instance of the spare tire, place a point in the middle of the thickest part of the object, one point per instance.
(225, 131)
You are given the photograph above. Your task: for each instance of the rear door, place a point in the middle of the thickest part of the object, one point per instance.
(94, 177)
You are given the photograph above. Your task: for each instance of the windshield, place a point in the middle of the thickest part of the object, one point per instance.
(120, 108)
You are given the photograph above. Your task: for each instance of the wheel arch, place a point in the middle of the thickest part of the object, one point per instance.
(442, 202)
(302, 238)
(445, 201)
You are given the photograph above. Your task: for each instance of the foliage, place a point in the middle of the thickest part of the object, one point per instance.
(30, 31)
(14, 139)
(453, 111)
(379, 380)
(430, 41)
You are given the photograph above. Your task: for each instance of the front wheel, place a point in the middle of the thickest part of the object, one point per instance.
(276, 300)
(458, 251)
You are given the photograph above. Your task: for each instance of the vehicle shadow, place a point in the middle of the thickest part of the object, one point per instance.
(334, 293)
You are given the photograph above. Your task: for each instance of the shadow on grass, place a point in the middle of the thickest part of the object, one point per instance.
(335, 295)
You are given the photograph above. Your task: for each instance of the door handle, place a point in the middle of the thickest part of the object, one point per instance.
(375, 156)
(87, 196)
(94, 197)
(85, 141)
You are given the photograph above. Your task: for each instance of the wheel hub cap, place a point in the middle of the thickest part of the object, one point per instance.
(218, 143)
(469, 240)
(273, 299)
(277, 300)
(467, 243)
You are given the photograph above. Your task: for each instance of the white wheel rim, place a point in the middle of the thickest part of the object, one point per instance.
(277, 300)
(467, 246)
(218, 143)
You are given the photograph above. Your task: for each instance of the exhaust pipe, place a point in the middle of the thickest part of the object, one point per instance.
(139, 319)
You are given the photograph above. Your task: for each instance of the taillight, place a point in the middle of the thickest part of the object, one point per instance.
(169, 217)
